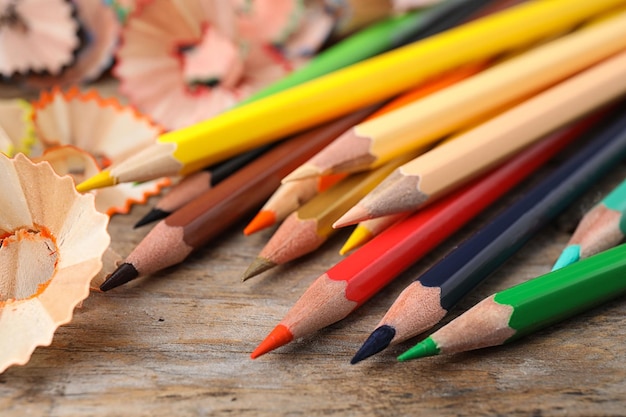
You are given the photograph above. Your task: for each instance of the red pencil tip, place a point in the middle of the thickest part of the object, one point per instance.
(262, 220)
(280, 336)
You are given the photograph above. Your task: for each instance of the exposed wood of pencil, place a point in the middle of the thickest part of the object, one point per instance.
(458, 106)
(488, 248)
(195, 184)
(202, 219)
(426, 301)
(288, 198)
(600, 229)
(309, 227)
(359, 276)
(368, 229)
(431, 175)
(347, 155)
(530, 306)
(190, 149)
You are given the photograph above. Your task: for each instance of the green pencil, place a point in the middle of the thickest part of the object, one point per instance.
(530, 306)
(601, 228)
(366, 43)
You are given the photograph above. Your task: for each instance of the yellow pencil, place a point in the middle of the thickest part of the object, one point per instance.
(190, 149)
(453, 163)
(374, 142)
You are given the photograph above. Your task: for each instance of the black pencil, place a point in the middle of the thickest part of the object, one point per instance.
(197, 183)
(428, 299)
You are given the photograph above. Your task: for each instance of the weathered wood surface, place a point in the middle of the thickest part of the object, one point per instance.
(178, 343)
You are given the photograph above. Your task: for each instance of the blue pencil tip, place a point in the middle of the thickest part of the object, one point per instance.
(376, 342)
(569, 255)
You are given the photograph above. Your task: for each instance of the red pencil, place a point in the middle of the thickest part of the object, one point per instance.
(359, 276)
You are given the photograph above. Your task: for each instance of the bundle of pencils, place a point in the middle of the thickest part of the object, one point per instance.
(427, 119)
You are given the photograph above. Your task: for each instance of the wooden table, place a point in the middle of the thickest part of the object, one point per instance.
(178, 344)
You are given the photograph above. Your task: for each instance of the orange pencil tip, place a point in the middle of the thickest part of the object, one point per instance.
(280, 336)
(326, 181)
(262, 220)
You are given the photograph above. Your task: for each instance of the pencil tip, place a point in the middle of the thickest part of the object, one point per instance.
(376, 342)
(569, 255)
(302, 172)
(152, 216)
(427, 347)
(359, 236)
(124, 273)
(356, 214)
(278, 337)
(257, 266)
(100, 180)
(263, 219)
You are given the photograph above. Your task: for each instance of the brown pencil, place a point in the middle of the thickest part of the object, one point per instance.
(195, 184)
(200, 220)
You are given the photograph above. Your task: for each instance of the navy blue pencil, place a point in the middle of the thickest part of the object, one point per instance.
(428, 299)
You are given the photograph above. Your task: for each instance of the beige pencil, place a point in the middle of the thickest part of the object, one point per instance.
(457, 107)
(431, 175)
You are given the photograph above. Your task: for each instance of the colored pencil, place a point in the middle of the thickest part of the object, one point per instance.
(287, 199)
(195, 184)
(310, 226)
(202, 219)
(431, 175)
(428, 299)
(418, 92)
(355, 279)
(190, 149)
(521, 310)
(603, 227)
(368, 229)
(388, 34)
(377, 38)
(446, 15)
(373, 142)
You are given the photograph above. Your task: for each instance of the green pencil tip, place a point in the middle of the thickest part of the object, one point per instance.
(427, 347)
(569, 255)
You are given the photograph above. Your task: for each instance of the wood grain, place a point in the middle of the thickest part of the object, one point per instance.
(178, 343)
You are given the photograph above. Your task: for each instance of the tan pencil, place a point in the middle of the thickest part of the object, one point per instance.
(287, 199)
(308, 228)
(374, 142)
(431, 175)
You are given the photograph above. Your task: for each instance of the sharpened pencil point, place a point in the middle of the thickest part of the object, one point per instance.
(100, 180)
(376, 342)
(359, 236)
(257, 266)
(152, 216)
(356, 214)
(427, 347)
(302, 172)
(569, 255)
(280, 336)
(124, 273)
(262, 220)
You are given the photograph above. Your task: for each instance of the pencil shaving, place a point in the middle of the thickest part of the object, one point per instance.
(37, 36)
(53, 241)
(207, 55)
(16, 128)
(83, 133)
(101, 28)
